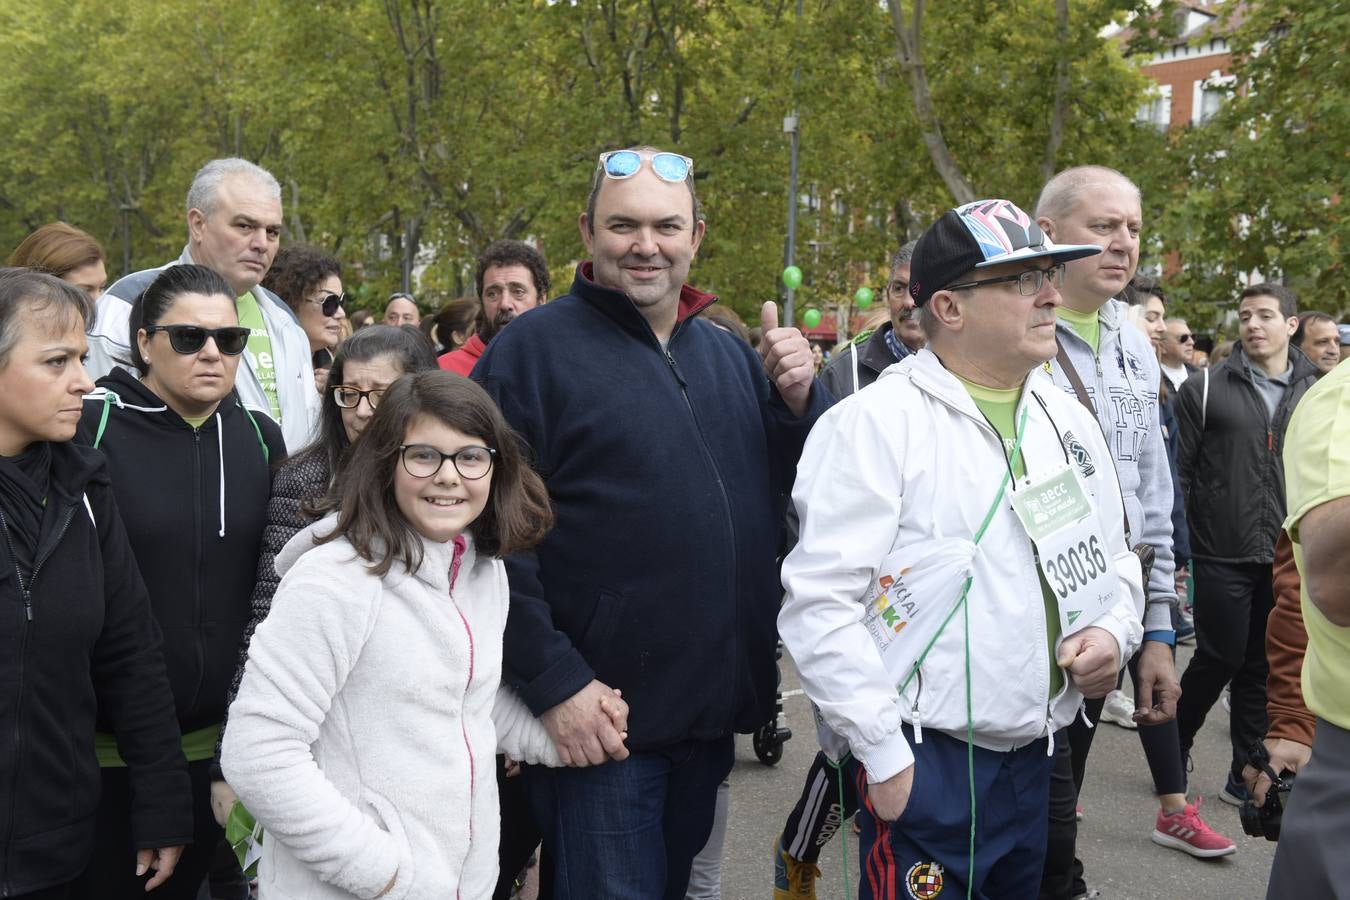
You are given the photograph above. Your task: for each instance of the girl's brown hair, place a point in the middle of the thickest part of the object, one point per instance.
(57, 248)
(517, 515)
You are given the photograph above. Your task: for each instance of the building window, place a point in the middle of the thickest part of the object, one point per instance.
(1209, 96)
(1158, 110)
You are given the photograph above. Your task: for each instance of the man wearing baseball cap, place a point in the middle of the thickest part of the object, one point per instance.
(962, 579)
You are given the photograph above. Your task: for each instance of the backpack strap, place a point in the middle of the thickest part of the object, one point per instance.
(1204, 400)
(1062, 357)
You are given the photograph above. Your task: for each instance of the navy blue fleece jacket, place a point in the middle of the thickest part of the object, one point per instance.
(669, 470)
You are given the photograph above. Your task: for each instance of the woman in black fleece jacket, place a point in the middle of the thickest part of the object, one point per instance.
(77, 641)
(190, 467)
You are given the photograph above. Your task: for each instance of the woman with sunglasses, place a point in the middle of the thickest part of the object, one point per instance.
(310, 281)
(191, 470)
(366, 365)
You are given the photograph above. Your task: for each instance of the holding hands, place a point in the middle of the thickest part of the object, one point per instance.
(589, 727)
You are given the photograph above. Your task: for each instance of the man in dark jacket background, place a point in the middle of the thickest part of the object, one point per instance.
(864, 360)
(667, 453)
(1232, 422)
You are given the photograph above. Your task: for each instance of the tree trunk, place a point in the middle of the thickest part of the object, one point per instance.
(909, 50)
(1056, 137)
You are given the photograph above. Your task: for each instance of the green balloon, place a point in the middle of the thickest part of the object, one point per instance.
(811, 318)
(792, 278)
(862, 298)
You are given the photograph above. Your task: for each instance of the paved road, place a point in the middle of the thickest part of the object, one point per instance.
(1113, 839)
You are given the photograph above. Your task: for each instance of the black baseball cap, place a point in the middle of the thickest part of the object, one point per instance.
(978, 235)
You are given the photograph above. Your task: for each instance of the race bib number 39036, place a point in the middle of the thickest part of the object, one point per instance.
(1060, 520)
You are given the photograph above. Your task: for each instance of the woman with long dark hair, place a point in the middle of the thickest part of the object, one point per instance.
(78, 644)
(190, 466)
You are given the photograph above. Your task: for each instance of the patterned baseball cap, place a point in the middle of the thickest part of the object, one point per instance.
(978, 235)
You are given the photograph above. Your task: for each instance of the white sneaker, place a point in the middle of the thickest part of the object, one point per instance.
(1119, 710)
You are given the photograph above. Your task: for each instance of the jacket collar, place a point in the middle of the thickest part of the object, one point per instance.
(619, 307)
(1241, 365)
(931, 376)
(875, 353)
(437, 558)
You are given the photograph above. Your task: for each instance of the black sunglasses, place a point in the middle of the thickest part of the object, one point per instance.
(329, 304)
(185, 339)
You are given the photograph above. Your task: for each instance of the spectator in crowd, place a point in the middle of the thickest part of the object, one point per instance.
(814, 820)
(309, 281)
(663, 441)
(725, 319)
(817, 356)
(65, 251)
(234, 227)
(1178, 353)
(80, 644)
(455, 324)
(360, 319)
(1310, 860)
(401, 310)
(365, 367)
(900, 474)
(512, 279)
(1232, 422)
(383, 647)
(1320, 340)
(189, 467)
(1222, 351)
(1146, 301)
(1113, 371)
(1344, 332)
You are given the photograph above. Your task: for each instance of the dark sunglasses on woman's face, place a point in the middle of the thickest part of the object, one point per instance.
(185, 339)
(328, 304)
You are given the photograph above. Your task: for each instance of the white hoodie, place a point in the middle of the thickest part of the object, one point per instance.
(906, 460)
(364, 732)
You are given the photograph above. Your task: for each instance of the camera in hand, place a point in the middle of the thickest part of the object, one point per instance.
(1264, 820)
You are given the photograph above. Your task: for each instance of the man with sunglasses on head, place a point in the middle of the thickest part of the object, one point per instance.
(1112, 369)
(512, 279)
(234, 228)
(1178, 349)
(961, 579)
(666, 444)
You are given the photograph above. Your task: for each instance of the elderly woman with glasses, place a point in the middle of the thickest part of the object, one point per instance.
(190, 467)
(310, 282)
(365, 366)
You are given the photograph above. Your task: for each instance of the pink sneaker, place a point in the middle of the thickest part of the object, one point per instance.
(1187, 832)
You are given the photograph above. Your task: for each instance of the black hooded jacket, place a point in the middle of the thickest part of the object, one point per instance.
(77, 640)
(1230, 459)
(194, 501)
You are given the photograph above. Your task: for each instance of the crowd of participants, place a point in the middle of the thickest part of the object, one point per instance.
(280, 580)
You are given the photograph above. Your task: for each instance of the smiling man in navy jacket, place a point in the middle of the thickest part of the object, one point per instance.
(667, 446)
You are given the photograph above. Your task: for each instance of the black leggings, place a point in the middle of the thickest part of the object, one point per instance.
(818, 814)
(1063, 874)
(519, 837)
(112, 871)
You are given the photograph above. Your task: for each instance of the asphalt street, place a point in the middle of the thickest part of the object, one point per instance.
(1114, 844)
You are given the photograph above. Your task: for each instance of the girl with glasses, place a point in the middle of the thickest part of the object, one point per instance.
(77, 640)
(310, 282)
(191, 469)
(372, 704)
(366, 365)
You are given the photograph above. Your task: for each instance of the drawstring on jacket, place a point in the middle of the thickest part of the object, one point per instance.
(111, 398)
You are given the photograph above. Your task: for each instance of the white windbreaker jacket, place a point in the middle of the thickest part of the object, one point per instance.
(909, 458)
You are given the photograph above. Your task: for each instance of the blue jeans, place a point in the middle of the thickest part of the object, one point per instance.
(629, 830)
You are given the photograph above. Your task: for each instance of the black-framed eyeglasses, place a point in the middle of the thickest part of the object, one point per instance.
(1029, 283)
(424, 461)
(621, 164)
(230, 340)
(328, 304)
(350, 397)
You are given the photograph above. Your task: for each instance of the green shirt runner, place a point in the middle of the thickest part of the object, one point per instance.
(1000, 408)
(260, 349)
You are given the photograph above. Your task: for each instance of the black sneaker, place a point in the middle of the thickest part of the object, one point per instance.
(1234, 793)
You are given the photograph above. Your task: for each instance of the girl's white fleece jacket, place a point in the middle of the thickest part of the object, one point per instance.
(364, 732)
(908, 458)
